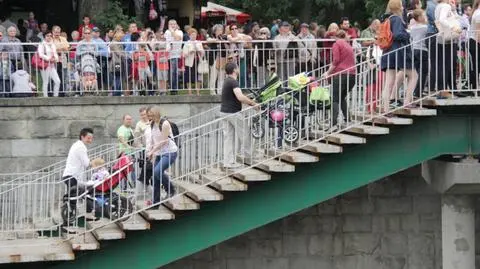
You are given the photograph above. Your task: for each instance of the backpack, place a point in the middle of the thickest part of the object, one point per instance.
(385, 35)
(175, 130)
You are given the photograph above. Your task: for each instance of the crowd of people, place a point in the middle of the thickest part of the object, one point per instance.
(153, 61)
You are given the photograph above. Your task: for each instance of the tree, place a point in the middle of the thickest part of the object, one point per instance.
(113, 15)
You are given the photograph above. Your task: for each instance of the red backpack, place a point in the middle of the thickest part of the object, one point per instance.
(385, 35)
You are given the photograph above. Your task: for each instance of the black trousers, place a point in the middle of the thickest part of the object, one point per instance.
(474, 48)
(446, 66)
(341, 86)
(421, 64)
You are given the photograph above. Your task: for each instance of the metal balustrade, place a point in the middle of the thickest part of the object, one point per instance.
(297, 116)
(108, 69)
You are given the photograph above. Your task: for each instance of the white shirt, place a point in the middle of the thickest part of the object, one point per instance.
(475, 26)
(77, 161)
(155, 138)
(21, 82)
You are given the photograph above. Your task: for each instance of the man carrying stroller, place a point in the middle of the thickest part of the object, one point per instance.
(233, 124)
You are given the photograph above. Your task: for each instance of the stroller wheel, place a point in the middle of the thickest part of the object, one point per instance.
(118, 207)
(291, 134)
(257, 129)
(69, 213)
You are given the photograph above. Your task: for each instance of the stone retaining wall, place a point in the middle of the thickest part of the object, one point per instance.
(36, 132)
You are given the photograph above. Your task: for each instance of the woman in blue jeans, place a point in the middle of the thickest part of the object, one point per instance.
(162, 152)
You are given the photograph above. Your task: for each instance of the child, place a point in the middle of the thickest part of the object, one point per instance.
(161, 59)
(100, 172)
(22, 86)
(73, 79)
(141, 59)
(6, 69)
(418, 32)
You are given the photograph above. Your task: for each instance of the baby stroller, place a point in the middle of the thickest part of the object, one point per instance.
(309, 97)
(277, 114)
(100, 197)
(88, 72)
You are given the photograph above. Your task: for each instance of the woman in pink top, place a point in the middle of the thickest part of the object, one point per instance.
(342, 70)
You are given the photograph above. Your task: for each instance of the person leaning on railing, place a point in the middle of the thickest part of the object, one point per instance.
(13, 45)
(62, 47)
(217, 58)
(48, 52)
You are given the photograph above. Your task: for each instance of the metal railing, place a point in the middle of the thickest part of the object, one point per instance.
(8, 181)
(154, 68)
(305, 113)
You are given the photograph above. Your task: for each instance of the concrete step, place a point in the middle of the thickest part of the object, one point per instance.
(134, 223)
(109, 232)
(162, 213)
(36, 250)
(418, 112)
(319, 147)
(464, 101)
(198, 192)
(221, 182)
(293, 156)
(368, 130)
(182, 203)
(379, 119)
(392, 121)
(269, 166)
(251, 174)
(84, 242)
(345, 139)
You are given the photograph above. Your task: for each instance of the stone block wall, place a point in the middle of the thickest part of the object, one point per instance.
(394, 223)
(37, 132)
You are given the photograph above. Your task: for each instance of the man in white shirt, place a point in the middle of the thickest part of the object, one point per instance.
(77, 160)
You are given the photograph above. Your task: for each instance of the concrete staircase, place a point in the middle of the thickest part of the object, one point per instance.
(221, 184)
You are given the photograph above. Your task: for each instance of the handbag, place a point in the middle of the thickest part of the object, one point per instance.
(203, 67)
(38, 62)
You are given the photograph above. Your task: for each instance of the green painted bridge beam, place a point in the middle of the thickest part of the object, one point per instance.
(286, 194)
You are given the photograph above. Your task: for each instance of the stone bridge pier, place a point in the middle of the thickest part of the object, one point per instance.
(458, 182)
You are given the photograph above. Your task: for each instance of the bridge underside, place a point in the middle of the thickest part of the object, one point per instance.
(286, 194)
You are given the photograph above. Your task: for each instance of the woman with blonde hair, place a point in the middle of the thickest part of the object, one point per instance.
(162, 152)
(397, 60)
(327, 45)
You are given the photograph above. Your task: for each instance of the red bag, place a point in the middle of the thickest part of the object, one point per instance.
(38, 62)
(152, 14)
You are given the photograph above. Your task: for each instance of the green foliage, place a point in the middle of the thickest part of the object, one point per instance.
(114, 15)
(375, 8)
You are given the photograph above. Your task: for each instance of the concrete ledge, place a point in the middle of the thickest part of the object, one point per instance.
(107, 100)
(453, 177)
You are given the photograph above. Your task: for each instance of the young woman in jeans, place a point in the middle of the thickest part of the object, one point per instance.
(343, 71)
(162, 152)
